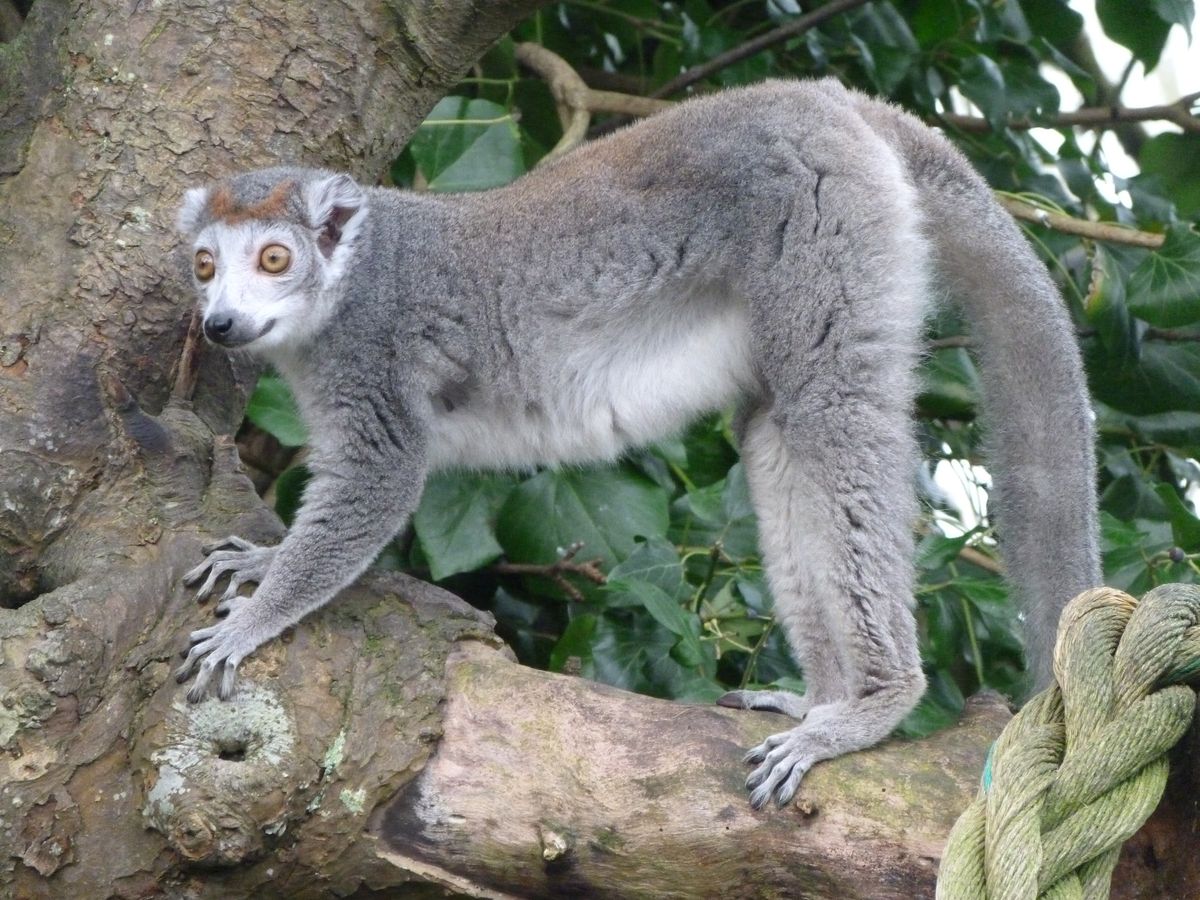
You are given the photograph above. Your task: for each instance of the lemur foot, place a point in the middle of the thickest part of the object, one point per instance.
(222, 646)
(246, 561)
(828, 730)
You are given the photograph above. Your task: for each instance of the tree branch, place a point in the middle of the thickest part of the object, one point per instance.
(1164, 335)
(762, 42)
(556, 570)
(576, 101)
(1181, 113)
(1100, 231)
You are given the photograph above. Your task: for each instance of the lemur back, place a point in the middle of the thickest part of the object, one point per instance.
(773, 247)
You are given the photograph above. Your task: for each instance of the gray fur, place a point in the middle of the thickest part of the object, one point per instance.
(773, 246)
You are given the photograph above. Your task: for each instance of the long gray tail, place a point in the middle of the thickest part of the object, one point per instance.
(1035, 395)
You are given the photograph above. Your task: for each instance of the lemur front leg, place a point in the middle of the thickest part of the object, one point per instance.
(352, 507)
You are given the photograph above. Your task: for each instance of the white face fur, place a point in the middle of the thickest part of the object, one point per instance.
(265, 283)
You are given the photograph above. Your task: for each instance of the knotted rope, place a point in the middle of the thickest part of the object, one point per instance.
(1083, 765)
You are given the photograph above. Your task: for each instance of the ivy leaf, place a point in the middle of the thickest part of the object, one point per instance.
(949, 384)
(1105, 306)
(273, 409)
(1166, 377)
(468, 145)
(1176, 12)
(1129, 25)
(666, 611)
(1165, 289)
(289, 490)
(456, 521)
(606, 509)
(1184, 525)
(654, 561)
(1174, 160)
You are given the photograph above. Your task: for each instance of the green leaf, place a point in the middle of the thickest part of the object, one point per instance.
(1128, 24)
(634, 654)
(1012, 90)
(1130, 492)
(1165, 289)
(1127, 548)
(1166, 377)
(273, 409)
(939, 708)
(468, 145)
(1174, 161)
(936, 21)
(456, 521)
(1105, 306)
(950, 384)
(982, 82)
(665, 610)
(1055, 21)
(936, 551)
(606, 509)
(289, 490)
(1176, 12)
(720, 512)
(1184, 524)
(1174, 429)
(656, 561)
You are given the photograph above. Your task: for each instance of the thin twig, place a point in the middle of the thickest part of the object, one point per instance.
(557, 570)
(769, 39)
(1099, 231)
(981, 559)
(1164, 335)
(1181, 113)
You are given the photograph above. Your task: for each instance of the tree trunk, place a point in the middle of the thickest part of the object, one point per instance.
(388, 740)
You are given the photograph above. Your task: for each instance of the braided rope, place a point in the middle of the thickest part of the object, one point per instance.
(1083, 765)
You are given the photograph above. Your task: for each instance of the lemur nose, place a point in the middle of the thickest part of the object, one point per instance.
(217, 327)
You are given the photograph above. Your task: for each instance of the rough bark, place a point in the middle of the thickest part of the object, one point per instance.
(321, 779)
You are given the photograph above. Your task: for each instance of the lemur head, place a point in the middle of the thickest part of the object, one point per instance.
(267, 247)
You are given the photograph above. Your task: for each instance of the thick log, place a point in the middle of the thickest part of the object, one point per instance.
(550, 786)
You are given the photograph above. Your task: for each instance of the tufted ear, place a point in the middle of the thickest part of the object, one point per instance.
(334, 205)
(191, 210)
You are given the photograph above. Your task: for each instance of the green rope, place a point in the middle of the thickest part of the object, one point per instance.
(1083, 765)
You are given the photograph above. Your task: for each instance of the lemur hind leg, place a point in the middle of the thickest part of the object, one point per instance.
(838, 556)
(832, 462)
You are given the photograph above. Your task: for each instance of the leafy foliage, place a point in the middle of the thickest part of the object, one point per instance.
(686, 612)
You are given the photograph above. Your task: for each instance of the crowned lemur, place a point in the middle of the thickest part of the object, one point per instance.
(773, 247)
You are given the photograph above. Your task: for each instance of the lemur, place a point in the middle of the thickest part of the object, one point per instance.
(773, 247)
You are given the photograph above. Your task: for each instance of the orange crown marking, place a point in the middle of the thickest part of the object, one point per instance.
(222, 205)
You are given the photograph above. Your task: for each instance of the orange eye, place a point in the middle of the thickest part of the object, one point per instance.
(274, 259)
(204, 266)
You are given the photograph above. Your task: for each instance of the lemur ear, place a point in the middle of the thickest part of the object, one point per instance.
(190, 211)
(332, 204)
